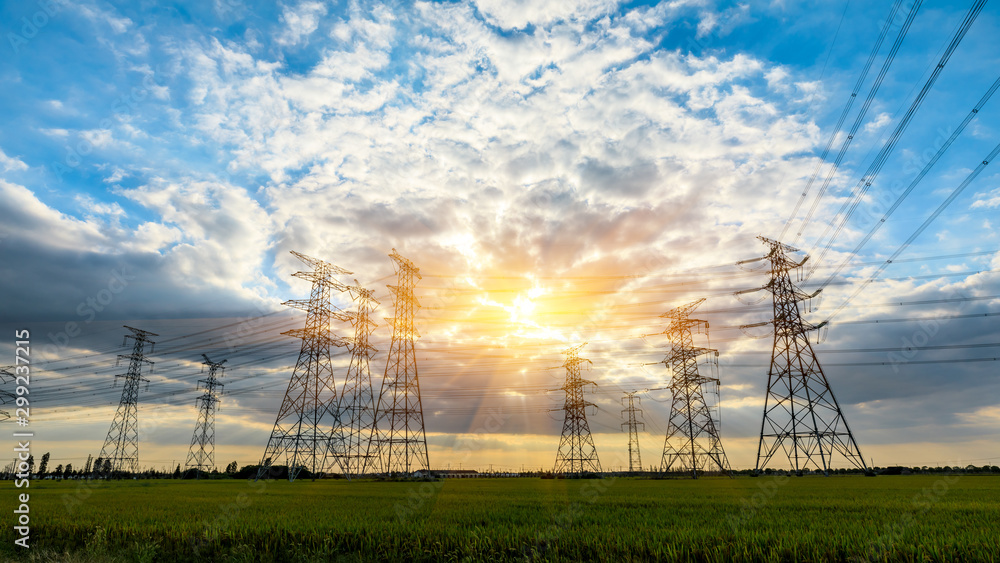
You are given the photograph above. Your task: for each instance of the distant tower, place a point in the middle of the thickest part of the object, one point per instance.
(801, 415)
(634, 460)
(576, 454)
(357, 401)
(6, 376)
(302, 431)
(121, 448)
(201, 455)
(692, 444)
(399, 443)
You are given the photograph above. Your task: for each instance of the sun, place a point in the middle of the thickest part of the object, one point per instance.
(522, 311)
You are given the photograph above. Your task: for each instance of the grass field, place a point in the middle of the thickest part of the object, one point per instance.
(904, 518)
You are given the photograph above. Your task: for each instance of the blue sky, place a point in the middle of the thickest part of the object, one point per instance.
(196, 144)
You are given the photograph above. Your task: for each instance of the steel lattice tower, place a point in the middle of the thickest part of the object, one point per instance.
(357, 400)
(302, 431)
(576, 454)
(634, 460)
(801, 415)
(121, 448)
(201, 455)
(6, 396)
(402, 447)
(693, 444)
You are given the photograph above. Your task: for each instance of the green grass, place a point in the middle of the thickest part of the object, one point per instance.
(905, 518)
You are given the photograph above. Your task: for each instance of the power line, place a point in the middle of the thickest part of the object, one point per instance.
(876, 166)
(847, 108)
(873, 90)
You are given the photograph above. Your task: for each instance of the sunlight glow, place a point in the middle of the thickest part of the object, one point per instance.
(522, 311)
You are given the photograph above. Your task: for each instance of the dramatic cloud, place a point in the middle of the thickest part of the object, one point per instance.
(561, 172)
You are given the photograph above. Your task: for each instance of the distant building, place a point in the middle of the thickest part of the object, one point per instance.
(451, 473)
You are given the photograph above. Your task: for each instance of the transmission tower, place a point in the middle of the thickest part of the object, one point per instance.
(121, 447)
(693, 444)
(302, 431)
(801, 415)
(201, 456)
(6, 376)
(576, 454)
(357, 401)
(402, 447)
(629, 400)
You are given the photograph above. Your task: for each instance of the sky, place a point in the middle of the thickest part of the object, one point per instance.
(560, 172)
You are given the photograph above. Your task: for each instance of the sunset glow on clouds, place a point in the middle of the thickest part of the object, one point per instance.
(560, 171)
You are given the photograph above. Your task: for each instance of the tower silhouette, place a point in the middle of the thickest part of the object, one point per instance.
(121, 447)
(801, 415)
(201, 455)
(306, 426)
(357, 399)
(6, 376)
(693, 443)
(634, 459)
(399, 442)
(576, 454)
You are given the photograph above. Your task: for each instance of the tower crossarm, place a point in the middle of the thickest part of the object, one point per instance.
(680, 313)
(404, 263)
(323, 339)
(304, 304)
(318, 264)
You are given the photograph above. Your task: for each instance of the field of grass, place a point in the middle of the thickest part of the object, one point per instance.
(904, 518)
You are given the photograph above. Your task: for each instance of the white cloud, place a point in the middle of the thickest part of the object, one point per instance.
(9, 163)
(27, 214)
(55, 132)
(221, 226)
(118, 24)
(988, 200)
(518, 14)
(300, 22)
(878, 122)
(98, 138)
(116, 176)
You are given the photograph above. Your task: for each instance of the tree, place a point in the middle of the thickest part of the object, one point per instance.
(177, 472)
(231, 468)
(31, 463)
(44, 466)
(68, 472)
(59, 470)
(98, 464)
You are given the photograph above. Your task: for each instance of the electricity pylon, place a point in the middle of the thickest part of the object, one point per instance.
(576, 454)
(399, 442)
(801, 416)
(6, 396)
(121, 448)
(692, 444)
(629, 400)
(201, 455)
(357, 400)
(302, 431)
